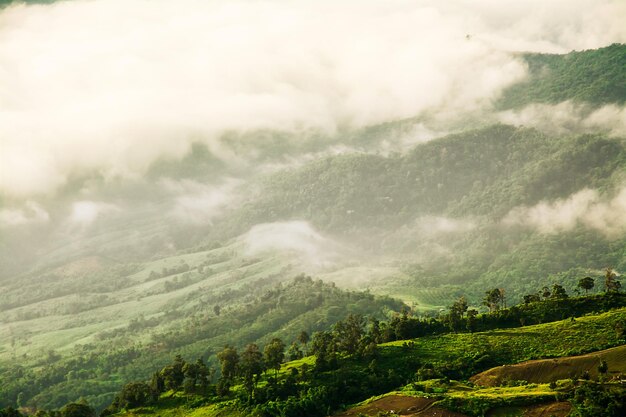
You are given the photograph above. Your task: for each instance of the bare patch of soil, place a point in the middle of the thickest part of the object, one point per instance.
(398, 404)
(548, 370)
(558, 409)
(401, 405)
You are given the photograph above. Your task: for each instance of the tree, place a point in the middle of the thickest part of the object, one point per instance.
(610, 281)
(133, 395)
(375, 331)
(204, 375)
(532, 298)
(455, 316)
(494, 298)
(157, 385)
(274, 354)
(558, 291)
(471, 320)
(348, 333)
(173, 375)
(250, 368)
(460, 306)
(77, 410)
(595, 400)
(545, 293)
(191, 373)
(229, 360)
(586, 284)
(303, 338)
(217, 309)
(369, 348)
(294, 352)
(322, 346)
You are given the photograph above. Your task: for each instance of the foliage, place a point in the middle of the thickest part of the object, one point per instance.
(593, 76)
(596, 400)
(97, 371)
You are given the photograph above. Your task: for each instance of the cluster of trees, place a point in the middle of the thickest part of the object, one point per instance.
(189, 377)
(249, 366)
(597, 400)
(611, 285)
(547, 305)
(310, 389)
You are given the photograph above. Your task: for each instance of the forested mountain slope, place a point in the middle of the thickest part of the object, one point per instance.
(593, 76)
(449, 201)
(62, 358)
(85, 309)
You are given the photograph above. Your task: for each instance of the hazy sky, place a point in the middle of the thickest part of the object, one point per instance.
(111, 85)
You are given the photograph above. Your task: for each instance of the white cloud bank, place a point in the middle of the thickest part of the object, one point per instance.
(111, 85)
(586, 208)
(195, 202)
(568, 117)
(296, 237)
(85, 212)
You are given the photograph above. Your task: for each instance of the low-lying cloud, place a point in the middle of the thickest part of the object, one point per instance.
(112, 85)
(568, 117)
(585, 208)
(296, 237)
(436, 225)
(29, 213)
(84, 213)
(195, 202)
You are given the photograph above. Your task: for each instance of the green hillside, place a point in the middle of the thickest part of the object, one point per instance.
(593, 76)
(428, 367)
(474, 178)
(65, 355)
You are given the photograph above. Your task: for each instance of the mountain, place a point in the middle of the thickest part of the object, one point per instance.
(592, 77)
(202, 252)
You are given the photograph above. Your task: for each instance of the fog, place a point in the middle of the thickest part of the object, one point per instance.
(30, 213)
(297, 238)
(569, 118)
(106, 105)
(110, 86)
(586, 208)
(195, 202)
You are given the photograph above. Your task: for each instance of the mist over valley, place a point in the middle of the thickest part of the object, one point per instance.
(177, 177)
